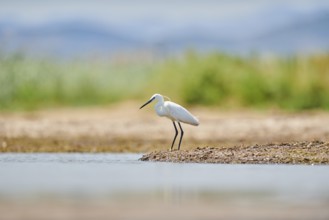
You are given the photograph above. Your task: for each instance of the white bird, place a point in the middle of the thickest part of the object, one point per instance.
(174, 112)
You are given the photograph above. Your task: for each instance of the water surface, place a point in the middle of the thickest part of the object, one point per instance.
(98, 175)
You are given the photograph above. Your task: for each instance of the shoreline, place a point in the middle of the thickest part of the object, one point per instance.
(310, 153)
(108, 129)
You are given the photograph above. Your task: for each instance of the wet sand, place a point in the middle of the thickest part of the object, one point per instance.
(139, 208)
(316, 152)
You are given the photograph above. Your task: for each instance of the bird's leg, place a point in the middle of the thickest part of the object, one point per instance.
(172, 145)
(181, 136)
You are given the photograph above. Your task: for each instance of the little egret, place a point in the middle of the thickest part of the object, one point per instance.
(175, 113)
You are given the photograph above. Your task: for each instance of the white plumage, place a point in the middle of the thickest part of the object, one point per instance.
(178, 113)
(174, 112)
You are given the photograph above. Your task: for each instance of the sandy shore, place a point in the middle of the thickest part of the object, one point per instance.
(125, 128)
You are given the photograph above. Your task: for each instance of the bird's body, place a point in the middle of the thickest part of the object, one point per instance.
(174, 112)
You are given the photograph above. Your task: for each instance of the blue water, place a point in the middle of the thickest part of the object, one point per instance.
(97, 175)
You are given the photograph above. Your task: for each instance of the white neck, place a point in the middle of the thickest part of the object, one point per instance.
(159, 107)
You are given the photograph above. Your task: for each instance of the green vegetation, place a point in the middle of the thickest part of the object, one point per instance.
(294, 83)
(30, 84)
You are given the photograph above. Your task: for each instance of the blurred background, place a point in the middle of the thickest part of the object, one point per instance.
(259, 54)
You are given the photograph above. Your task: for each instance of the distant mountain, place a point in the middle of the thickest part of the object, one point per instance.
(304, 34)
(67, 39)
(310, 34)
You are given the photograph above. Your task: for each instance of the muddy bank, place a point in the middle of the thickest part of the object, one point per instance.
(315, 152)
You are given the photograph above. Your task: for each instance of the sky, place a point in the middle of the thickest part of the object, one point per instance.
(176, 11)
(173, 21)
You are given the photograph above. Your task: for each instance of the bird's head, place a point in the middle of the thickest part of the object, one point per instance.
(154, 97)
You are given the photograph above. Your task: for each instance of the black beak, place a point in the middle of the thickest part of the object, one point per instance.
(148, 102)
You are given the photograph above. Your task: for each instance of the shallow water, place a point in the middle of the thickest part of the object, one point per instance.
(106, 175)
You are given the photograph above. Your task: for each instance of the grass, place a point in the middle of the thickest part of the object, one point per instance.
(293, 83)
(31, 84)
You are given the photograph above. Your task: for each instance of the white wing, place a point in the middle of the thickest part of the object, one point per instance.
(179, 113)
